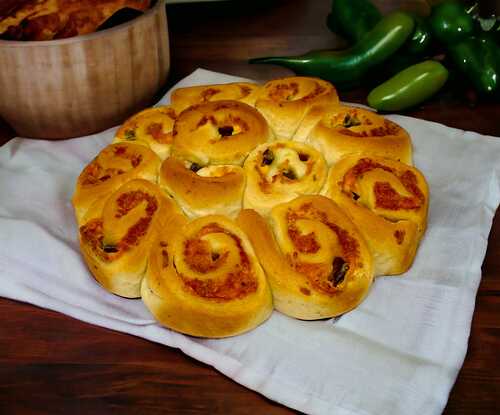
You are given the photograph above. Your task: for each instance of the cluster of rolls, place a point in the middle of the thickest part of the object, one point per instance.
(242, 198)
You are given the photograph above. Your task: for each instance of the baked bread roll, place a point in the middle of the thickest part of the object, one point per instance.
(316, 261)
(151, 127)
(279, 172)
(338, 130)
(388, 201)
(57, 19)
(284, 102)
(203, 190)
(220, 132)
(183, 98)
(117, 234)
(115, 165)
(204, 279)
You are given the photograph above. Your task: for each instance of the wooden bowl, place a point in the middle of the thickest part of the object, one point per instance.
(77, 86)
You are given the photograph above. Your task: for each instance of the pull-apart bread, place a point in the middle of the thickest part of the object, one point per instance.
(237, 199)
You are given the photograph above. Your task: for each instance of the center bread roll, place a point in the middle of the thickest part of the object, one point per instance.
(204, 279)
(220, 132)
(245, 92)
(338, 130)
(203, 190)
(317, 262)
(284, 102)
(388, 200)
(280, 171)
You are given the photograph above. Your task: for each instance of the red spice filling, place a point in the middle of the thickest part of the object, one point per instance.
(236, 284)
(92, 232)
(318, 274)
(155, 130)
(386, 197)
(387, 129)
(95, 173)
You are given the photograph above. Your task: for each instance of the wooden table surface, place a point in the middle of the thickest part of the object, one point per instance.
(53, 364)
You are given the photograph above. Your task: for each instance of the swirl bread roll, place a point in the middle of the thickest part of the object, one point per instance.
(316, 261)
(220, 132)
(338, 130)
(204, 279)
(388, 201)
(245, 92)
(279, 172)
(151, 127)
(115, 165)
(284, 102)
(203, 191)
(117, 234)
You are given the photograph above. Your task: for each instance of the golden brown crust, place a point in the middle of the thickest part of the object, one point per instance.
(151, 127)
(278, 172)
(204, 279)
(219, 132)
(117, 233)
(210, 190)
(284, 102)
(317, 263)
(245, 92)
(388, 201)
(338, 130)
(56, 19)
(115, 165)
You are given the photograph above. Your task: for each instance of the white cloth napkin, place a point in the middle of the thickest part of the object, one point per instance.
(399, 352)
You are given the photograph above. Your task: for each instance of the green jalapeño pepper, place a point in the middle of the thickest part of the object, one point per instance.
(450, 22)
(478, 58)
(352, 18)
(409, 87)
(346, 68)
(420, 41)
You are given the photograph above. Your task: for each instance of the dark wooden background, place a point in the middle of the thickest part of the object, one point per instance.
(53, 364)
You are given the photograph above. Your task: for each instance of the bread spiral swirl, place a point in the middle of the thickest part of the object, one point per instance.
(280, 171)
(115, 165)
(388, 200)
(204, 279)
(317, 262)
(285, 101)
(245, 92)
(117, 234)
(338, 130)
(220, 132)
(203, 190)
(151, 127)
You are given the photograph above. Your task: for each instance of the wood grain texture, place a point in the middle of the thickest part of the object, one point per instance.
(53, 364)
(77, 86)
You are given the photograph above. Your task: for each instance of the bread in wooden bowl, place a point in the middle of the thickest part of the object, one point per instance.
(58, 19)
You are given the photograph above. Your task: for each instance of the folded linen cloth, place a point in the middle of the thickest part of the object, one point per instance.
(399, 352)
